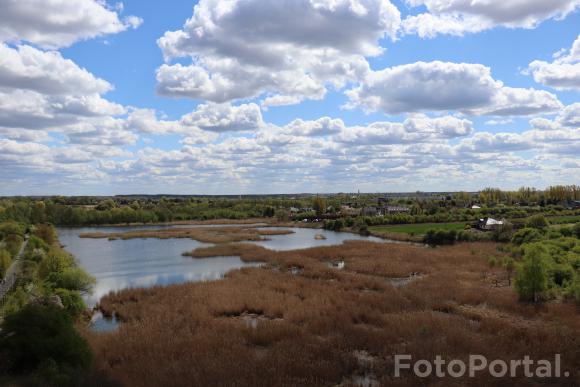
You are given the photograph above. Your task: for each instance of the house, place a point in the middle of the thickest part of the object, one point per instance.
(383, 208)
(347, 210)
(490, 224)
(369, 211)
(390, 210)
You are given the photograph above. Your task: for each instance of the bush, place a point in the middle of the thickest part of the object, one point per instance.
(56, 261)
(503, 233)
(37, 334)
(576, 230)
(72, 301)
(532, 277)
(575, 289)
(13, 243)
(15, 301)
(5, 262)
(35, 242)
(527, 235)
(538, 222)
(71, 278)
(440, 237)
(47, 233)
(561, 275)
(10, 228)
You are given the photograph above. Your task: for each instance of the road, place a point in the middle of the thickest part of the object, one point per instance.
(12, 272)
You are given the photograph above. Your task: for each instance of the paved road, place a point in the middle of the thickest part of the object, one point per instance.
(13, 271)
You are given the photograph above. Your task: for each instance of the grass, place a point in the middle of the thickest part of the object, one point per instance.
(207, 235)
(417, 228)
(311, 323)
(564, 219)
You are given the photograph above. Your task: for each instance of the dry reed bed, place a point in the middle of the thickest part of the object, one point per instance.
(207, 235)
(313, 323)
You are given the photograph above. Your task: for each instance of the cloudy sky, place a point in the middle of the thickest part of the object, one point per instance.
(254, 96)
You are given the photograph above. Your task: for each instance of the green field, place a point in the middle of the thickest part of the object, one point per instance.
(564, 219)
(417, 228)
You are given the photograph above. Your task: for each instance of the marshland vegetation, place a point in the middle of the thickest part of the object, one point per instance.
(310, 322)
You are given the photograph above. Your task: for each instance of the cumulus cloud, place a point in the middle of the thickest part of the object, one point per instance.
(44, 92)
(561, 74)
(202, 124)
(415, 129)
(458, 17)
(57, 23)
(444, 86)
(224, 117)
(47, 72)
(313, 153)
(285, 50)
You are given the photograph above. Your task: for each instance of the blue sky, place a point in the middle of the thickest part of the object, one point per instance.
(423, 96)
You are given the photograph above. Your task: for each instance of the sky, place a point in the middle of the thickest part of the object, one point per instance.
(287, 96)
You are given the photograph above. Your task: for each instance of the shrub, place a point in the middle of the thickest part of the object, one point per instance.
(527, 235)
(56, 261)
(38, 333)
(5, 262)
(47, 233)
(15, 301)
(567, 231)
(561, 275)
(72, 301)
(538, 222)
(9, 228)
(71, 278)
(440, 237)
(575, 289)
(13, 243)
(503, 233)
(576, 230)
(35, 242)
(532, 277)
(364, 230)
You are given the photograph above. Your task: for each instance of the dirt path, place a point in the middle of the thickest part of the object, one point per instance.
(12, 272)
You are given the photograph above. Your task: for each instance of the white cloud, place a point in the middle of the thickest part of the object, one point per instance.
(458, 17)
(561, 74)
(47, 72)
(201, 125)
(57, 23)
(224, 118)
(415, 129)
(570, 116)
(495, 143)
(289, 50)
(11, 147)
(504, 121)
(42, 91)
(444, 86)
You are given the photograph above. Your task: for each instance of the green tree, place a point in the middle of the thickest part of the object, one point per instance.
(319, 205)
(5, 262)
(532, 276)
(56, 261)
(38, 333)
(537, 221)
(527, 235)
(71, 278)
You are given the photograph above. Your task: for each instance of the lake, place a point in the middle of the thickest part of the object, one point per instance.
(122, 264)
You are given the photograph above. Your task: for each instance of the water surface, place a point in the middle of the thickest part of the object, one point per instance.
(122, 264)
(144, 262)
(303, 238)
